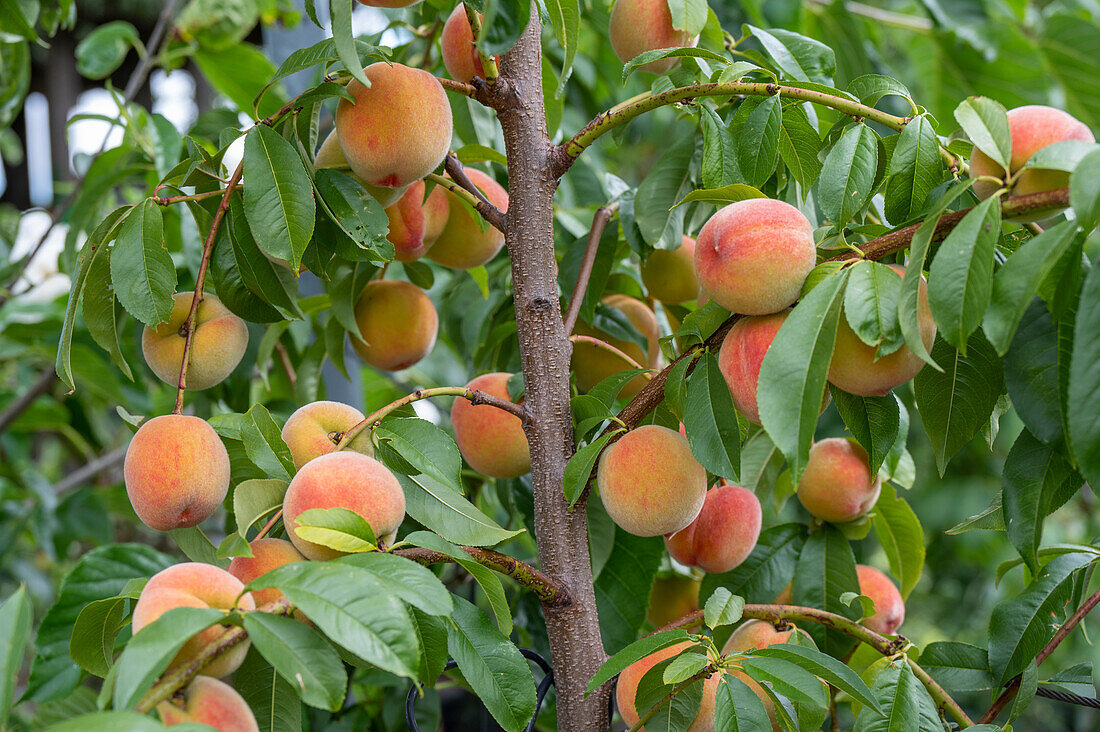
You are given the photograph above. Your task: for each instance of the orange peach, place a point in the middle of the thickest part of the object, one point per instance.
(316, 429)
(344, 480)
(592, 364)
(672, 597)
(492, 440)
(650, 483)
(462, 244)
(194, 584)
(756, 634)
(218, 346)
(669, 276)
(176, 472)
(627, 689)
(638, 26)
(456, 45)
(267, 554)
(398, 322)
(741, 355)
(723, 534)
(398, 130)
(212, 702)
(753, 256)
(329, 155)
(889, 607)
(837, 485)
(416, 222)
(854, 368)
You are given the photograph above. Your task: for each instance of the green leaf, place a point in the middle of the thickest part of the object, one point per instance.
(1083, 413)
(786, 678)
(357, 214)
(443, 510)
(240, 72)
(915, 170)
(101, 314)
(103, 50)
(689, 16)
(301, 656)
(256, 499)
(870, 88)
(344, 37)
(711, 421)
(623, 587)
(722, 608)
(269, 281)
(660, 53)
(93, 641)
(196, 546)
(956, 403)
(721, 196)
(1070, 42)
(767, 569)
(799, 57)
(565, 19)
(675, 714)
(958, 667)
(416, 585)
(827, 668)
(848, 175)
(873, 421)
(986, 124)
(719, 162)
(118, 722)
(793, 373)
(274, 701)
(336, 528)
(826, 570)
(263, 443)
(899, 531)
(426, 447)
(493, 667)
(668, 181)
(904, 702)
(800, 145)
(1031, 373)
(502, 25)
(16, 614)
(579, 468)
(278, 198)
(637, 650)
(991, 518)
(758, 143)
(142, 272)
(1084, 190)
(737, 708)
(871, 305)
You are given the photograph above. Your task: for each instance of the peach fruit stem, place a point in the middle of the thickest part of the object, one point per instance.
(549, 590)
(169, 200)
(268, 526)
(489, 63)
(604, 345)
(599, 223)
(458, 87)
(288, 367)
(781, 614)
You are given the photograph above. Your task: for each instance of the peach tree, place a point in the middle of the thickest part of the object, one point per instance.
(687, 403)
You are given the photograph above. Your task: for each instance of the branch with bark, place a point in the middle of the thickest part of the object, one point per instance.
(603, 215)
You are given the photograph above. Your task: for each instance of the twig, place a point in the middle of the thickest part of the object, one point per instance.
(85, 473)
(546, 588)
(458, 173)
(458, 87)
(269, 525)
(604, 345)
(41, 385)
(599, 223)
(288, 367)
(488, 211)
(169, 200)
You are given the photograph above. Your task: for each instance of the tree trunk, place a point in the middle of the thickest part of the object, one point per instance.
(545, 350)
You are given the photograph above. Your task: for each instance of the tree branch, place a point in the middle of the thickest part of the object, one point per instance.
(599, 223)
(487, 210)
(85, 473)
(546, 588)
(23, 402)
(169, 200)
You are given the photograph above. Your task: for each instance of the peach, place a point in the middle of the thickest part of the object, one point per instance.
(638, 26)
(854, 368)
(344, 480)
(592, 364)
(329, 155)
(398, 322)
(212, 702)
(267, 554)
(491, 440)
(194, 584)
(416, 222)
(837, 485)
(753, 256)
(218, 346)
(669, 276)
(741, 355)
(456, 45)
(398, 130)
(650, 483)
(627, 689)
(756, 634)
(723, 534)
(316, 429)
(889, 607)
(176, 472)
(462, 244)
(1032, 128)
(672, 597)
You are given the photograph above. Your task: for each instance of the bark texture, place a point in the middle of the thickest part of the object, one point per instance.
(545, 350)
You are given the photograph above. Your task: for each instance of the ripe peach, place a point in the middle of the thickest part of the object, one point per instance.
(416, 222)
(267, 554)
(592, 365)
(756, 634)
(212, 702)
(491, 440)
(176, 472)
(316, 428)
(889, 607)
(669, 276)
(741, 355)
(837, 485)
(456, 45)
(344, 480)
(723, 534)
(329, 155)
(853, 367)
(650, 483)
(638, 26)
(398, 130)
(218, 346)
(1032, 128)
(194, 584)
(398, 322)
(672, 597)
(753, 256)
(627, 689)
(462, 244)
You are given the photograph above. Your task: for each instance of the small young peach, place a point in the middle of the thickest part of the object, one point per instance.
(416, 222)
(837, 485)
(212, 702)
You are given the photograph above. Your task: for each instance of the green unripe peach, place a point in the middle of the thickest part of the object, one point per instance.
(837, 485)
(669, 276)
(316, 428)
(723, 534)
(592, 364)
(218, 346)
(491, 440)
(672, 597)
(463, 244)
(209, 701)
(638, 26)
(416, 222)
(889, 605)
(398, 322)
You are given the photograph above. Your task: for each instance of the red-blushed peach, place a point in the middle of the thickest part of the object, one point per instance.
(456, 45)
(669, 276)
(753, 256)
(416, 222)
(344, 480)
(741, 355)
(627, 689)
(837, 485)
(650, 483)
(756, 634)
(193, 584)
(398, 322)
(218, 346)
(209, 701)
(398, 130)
(638, 26)
(592, 364)
(853, 367)
(723, 534)
(329, 155)
(267, 554)
(462, 244)
(491, 440)
(889, 607)
(672, 597)
(176, 471)
(316, 428)
(1032, 127)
